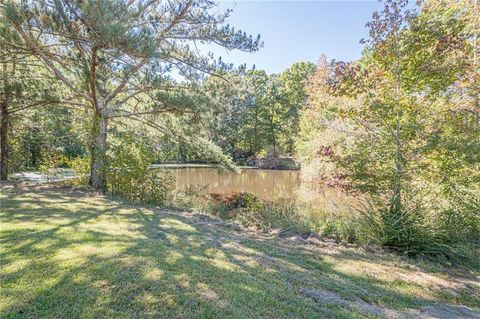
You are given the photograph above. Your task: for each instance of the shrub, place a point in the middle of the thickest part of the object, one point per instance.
(191, 196)
(129, 174)
(81, 167)
(400, 230)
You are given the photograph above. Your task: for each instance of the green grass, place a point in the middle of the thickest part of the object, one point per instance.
(68, 253)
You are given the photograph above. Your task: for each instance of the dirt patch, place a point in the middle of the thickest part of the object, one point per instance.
(427, 312)
(448, 312)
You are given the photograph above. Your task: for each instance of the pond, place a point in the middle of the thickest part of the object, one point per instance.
(269, 185)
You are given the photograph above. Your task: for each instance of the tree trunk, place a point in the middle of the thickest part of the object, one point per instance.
(274, 138)
(98, 169)
(4, 142)
(255, 138)
(397, 193)
(476, 100)
(476, 113)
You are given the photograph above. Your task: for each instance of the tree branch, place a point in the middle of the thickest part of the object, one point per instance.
(49, 63)
(146, 59)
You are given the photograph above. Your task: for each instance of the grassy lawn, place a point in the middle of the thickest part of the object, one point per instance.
(65, 253)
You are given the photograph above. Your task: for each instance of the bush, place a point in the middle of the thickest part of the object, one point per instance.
(129, 174)
(140, 186)
(191, 196)
(399, 230)
(81, 166)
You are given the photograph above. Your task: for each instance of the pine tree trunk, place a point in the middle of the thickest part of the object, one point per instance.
(4, 125)
(4, 142)
(98, 169)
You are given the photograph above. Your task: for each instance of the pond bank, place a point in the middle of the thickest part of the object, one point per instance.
(74, 251)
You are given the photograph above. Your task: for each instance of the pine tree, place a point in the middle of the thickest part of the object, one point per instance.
(119, 57)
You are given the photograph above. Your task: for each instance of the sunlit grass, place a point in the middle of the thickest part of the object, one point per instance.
(69, 252)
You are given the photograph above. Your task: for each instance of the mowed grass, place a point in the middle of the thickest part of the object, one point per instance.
(65, 253)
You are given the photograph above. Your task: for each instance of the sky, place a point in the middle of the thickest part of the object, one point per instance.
(295, 31)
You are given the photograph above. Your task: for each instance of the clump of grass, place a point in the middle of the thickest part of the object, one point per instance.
(419, 230)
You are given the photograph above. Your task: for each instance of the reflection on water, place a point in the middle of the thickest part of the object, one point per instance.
(266, 184)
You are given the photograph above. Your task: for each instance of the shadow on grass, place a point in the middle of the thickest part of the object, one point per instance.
(66, 254)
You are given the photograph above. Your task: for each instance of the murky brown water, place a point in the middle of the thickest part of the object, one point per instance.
(266, 184)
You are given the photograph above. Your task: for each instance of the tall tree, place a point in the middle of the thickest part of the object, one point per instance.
(293, 88)
(227, 118)
(385, 40)
(256, 84)
(118, 57)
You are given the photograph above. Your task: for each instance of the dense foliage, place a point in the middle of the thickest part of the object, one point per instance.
(110, 87)
(400, 125)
